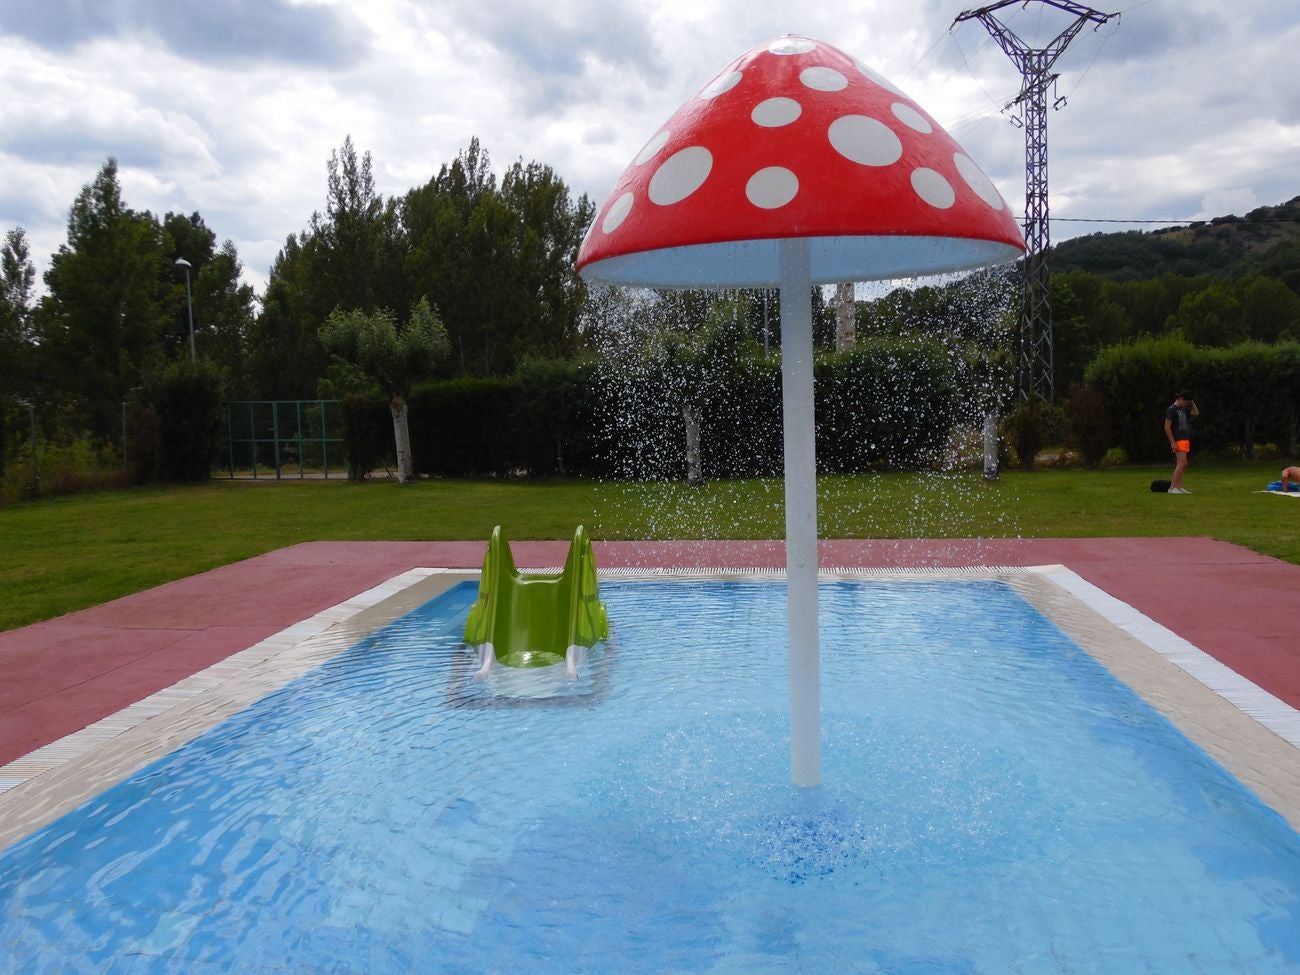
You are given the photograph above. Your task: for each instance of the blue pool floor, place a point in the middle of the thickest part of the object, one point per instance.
(994, 801)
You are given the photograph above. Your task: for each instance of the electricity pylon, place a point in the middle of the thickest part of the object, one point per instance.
(1034, 369)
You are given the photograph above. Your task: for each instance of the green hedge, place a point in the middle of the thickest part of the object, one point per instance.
(890, 403)
(465, 427)
(1248, 394)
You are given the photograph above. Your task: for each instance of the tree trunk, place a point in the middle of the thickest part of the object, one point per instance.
(991, 445)
(846, 317)
(694, 472)
(402, 438)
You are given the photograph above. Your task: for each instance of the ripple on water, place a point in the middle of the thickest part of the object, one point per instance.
(991, 797)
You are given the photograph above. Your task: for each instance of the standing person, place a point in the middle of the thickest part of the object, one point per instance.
(1178, 428)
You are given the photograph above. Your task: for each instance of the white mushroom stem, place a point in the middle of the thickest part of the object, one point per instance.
(800, 512)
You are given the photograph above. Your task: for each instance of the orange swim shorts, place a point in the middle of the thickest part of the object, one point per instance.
(1183, 446)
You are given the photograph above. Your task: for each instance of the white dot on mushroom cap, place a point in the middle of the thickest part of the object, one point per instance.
(617, 213)
(823, 79)
(720, 84)
(865, 140)
(791, 45)
(977, 181)
(933, 188)
(775, 112)
(653, 146)
(681, 174)
(879, 79)
(772, 187)
(911, 117)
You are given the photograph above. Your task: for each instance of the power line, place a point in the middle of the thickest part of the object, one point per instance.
(965, 63)
(1105, 38)
(1120, 220)
(1180, 220)
(928, 52)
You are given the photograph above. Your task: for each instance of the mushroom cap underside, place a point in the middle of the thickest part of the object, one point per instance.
(757, 263)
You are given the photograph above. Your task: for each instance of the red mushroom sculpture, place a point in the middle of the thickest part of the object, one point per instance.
(797, 165)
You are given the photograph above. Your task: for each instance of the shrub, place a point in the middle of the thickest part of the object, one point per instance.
(77, 464)
(1269, 452)
(1061, 460)
(367, 435)
(143, 443)
(1087, 424)
(1027, 430)
(183, 403)
(1114, 457)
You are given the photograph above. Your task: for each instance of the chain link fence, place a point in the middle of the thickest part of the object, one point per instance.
(284, 438)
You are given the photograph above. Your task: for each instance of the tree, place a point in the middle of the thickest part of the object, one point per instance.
(1210, 317)
(350, 257)
(286, 357)
(101, 326)
(436, 218)
(396, 357)
(1269, 309)
(693, 344)
(17, 278)
(359, 236)
(846, 317)
(223, 307)
(498, 261)
(551, 226)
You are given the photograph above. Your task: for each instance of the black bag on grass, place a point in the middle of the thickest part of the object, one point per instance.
(1161, 487)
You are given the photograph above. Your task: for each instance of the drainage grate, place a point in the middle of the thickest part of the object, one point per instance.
(824, 572)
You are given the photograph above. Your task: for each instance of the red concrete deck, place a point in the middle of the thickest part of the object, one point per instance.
(58, 676)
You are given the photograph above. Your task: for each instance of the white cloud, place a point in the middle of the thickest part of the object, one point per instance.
(1180, 108)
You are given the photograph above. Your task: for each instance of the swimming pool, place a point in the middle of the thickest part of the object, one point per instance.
(994, 801)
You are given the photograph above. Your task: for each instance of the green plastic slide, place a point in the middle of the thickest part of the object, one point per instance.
(539, 619)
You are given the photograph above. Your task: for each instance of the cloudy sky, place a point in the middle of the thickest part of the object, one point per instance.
(1176, 109)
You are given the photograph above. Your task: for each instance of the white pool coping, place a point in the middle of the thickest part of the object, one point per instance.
(1254, 734)
(1246, 696)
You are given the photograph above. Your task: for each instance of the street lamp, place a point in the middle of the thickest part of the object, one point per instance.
(189, 300)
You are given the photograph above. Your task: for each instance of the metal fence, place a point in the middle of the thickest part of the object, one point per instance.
(284, 438)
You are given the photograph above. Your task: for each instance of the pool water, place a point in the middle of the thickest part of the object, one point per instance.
(994, 801)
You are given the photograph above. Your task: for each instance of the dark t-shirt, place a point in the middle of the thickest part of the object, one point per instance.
(1180, 418)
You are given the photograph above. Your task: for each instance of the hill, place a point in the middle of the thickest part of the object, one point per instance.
(1265, 241)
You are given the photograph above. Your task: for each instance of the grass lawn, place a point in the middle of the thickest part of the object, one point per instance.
(68, 553)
